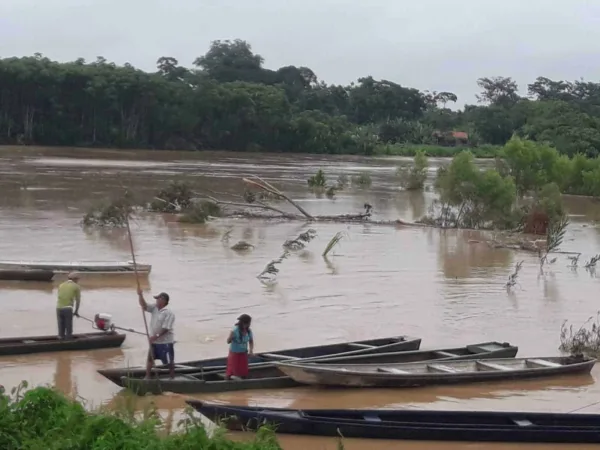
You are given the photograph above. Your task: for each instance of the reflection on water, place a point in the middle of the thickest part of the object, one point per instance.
(380, 281)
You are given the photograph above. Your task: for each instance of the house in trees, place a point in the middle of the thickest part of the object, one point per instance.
(451, 138)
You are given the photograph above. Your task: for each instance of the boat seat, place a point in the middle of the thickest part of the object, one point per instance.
(442, 368)
(372, 418)
(541, 363)
(183, 366)
(277, 356)
(522, 422)
(392, 370)
(492, 366)
(354, 344)
(445, 354)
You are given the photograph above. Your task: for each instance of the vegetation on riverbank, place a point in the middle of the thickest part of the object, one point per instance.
(42, 418)
(583, 340)
(228, 100)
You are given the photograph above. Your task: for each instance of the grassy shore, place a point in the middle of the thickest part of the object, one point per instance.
(44, 419)
(436, 151)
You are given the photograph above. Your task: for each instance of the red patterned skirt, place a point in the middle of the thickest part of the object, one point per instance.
(237, 364)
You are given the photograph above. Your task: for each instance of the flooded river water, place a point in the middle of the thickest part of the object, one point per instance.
(380, 281)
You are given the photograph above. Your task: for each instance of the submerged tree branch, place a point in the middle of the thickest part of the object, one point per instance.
(262, 184)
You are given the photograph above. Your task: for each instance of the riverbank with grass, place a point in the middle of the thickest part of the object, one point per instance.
(42, 418)
(436, 151)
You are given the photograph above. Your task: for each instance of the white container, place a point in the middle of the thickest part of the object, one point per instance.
(103, 321)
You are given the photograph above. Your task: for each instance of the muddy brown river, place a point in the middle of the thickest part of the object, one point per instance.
(380, 281)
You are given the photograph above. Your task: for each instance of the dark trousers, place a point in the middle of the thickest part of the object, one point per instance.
(64, 318)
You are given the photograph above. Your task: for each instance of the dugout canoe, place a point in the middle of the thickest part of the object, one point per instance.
(475, 426)
(268, 376)
(434, 373)
(371, 346)
(43, 344)
(77, 266)
(26, 275)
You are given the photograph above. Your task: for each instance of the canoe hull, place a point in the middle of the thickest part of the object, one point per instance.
(396, 344)
(183, 385)
(474, 426)
(332, 377)
(84, 267)
(45, 344)
(268, 376)
(26, 275)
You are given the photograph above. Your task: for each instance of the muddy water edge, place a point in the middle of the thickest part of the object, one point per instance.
(380, 281)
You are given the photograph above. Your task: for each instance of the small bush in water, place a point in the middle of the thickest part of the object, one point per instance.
(42, 418)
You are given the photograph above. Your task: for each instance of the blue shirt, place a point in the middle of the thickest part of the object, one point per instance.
(239, 344)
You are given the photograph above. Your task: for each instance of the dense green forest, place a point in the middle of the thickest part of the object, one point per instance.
(228, 100)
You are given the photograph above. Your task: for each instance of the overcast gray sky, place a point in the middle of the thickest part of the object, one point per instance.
(426, 44)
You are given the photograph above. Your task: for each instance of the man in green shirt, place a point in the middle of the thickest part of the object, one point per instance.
(69, 296)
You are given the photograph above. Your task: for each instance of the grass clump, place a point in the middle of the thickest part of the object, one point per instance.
(362, 180)
(414, 178)
(582, 341)
(111, 213)
(199, 212)
(318, 180)
(177, 196)
(42, 418)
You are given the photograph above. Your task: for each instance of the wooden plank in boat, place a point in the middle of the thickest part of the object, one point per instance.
(493, 366)
(440, 368)
(183, 366)
(278, 356)
(392, 370)
(522, 422)
(445, 354)
(361, 346)
(542, 363)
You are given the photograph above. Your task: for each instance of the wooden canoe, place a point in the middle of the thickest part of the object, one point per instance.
(478, 426)
(268, 376)
(426, 373)
(81, 266)
(26, 275)
(42, 344)
(382, 345)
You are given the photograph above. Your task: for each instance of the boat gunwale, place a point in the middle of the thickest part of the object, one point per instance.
(321, 369)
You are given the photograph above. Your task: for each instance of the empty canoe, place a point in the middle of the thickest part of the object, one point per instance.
(482, 426)
(42, 344)
(78, 266)
(26, 275)
(382, 345)
(432, 373)
(268, 376)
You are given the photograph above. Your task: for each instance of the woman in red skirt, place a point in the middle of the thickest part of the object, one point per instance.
(241, 343)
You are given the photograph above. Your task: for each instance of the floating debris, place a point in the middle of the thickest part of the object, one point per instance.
(241, 246)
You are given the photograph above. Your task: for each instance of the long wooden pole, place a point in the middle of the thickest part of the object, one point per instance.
(139, 288)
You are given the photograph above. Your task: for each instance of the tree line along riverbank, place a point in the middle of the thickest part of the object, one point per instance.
(229, 100)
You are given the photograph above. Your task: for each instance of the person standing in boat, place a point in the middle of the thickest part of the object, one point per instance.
(241, 344)
(162, 337)
(69, 297)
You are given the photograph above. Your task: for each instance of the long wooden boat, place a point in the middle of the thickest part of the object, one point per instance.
(381, 345)
(268, 376)
(78, 266)
(481, 426)
(42, 344)
(426, 373)
(26, 275)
